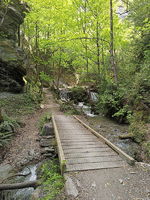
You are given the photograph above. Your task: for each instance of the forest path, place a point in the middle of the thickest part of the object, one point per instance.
(125, 183)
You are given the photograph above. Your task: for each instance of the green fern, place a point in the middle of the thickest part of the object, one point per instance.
(6, 129)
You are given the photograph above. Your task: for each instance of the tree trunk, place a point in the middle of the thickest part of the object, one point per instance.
(59, 70)
(87, 68)
(111, 44)
(1, 117)
(14, 186)
(36, 46)
(19, 36)
(87, 61)
(98, 52)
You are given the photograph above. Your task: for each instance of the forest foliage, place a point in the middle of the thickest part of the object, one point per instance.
(94, 41)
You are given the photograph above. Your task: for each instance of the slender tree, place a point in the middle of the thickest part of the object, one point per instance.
(111, 45)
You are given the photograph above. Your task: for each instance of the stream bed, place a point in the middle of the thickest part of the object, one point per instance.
(22, 194)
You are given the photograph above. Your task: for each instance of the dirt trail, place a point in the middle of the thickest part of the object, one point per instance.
(127, 183)
(26, 142)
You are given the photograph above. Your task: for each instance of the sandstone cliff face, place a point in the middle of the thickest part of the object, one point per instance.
(12, 57)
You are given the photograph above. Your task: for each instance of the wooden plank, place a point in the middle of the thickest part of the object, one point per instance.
(76, 140)
(68, 121)
(71, 126)
(129, 159)
(94, 154)
(94, 166)
(75, 135)
(86, 150)
(82, 146)
(93, 160)
(69, 137)
(72, 132)
(70, 143)
(63, 118)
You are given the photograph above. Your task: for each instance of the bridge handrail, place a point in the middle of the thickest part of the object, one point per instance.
(61, 156)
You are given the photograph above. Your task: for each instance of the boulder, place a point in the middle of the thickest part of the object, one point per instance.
(45, 143)
(47, 150)
(48, 129)
(48, 155)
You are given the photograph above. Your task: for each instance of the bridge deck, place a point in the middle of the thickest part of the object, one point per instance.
(82, 149)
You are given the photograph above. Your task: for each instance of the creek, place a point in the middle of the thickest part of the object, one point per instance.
(22, 194)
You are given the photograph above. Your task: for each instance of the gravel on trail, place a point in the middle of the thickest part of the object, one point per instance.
(127, 183)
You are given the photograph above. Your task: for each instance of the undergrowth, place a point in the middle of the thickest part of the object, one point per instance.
(7, 129)
(52, 180)
(45, 119)
(79, 94)
(13, 107)
(68, 109)
(20, 104)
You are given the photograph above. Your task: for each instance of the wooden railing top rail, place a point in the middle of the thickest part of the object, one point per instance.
(61, 156)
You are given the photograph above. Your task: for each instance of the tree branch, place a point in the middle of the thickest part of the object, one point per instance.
(14, 186)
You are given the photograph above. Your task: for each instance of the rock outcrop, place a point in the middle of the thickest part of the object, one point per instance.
(12, 57)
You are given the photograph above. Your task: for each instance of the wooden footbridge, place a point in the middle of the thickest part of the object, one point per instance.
(82, 148)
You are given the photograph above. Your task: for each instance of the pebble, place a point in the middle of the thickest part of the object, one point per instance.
(49, 149)
(93, 184)
(45, 143)
(148, 191)
(31, 152)
(48, 155)
(78, 183)
(115, 129)
(120, 181)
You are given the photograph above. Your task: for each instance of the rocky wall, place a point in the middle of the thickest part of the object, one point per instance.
(12, 57)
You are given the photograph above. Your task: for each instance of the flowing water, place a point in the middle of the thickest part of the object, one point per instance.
(22, 194)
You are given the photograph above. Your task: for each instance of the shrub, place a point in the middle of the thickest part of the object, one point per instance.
(113, 102)
(137, 127)
(7, 129)
(52, 180)
(45, 119)
(79, 94)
